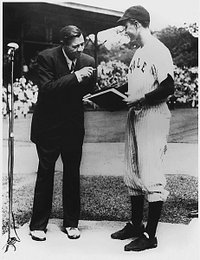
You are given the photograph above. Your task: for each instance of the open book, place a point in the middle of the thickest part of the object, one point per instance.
(110, 99)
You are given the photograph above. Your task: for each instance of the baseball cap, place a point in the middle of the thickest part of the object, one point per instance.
(137, 12)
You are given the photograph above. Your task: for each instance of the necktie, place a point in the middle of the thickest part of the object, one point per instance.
(72, 66)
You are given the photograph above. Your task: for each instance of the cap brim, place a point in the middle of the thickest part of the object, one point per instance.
(122, 20)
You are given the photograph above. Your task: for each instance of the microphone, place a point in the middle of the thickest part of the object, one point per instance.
(12, 46)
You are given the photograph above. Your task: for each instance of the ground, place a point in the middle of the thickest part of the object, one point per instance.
(103, 129)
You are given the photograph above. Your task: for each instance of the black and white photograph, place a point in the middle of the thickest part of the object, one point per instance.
(99, 136)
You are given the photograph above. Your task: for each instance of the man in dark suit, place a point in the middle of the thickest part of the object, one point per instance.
(65, 75)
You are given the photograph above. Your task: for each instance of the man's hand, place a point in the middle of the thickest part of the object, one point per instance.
(137, 104)
(85, 72)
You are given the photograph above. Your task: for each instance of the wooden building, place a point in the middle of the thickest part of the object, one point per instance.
(35, 26)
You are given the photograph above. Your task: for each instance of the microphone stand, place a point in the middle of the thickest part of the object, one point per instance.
(11, 221)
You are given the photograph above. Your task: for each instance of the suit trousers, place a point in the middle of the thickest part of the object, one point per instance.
(48, 154)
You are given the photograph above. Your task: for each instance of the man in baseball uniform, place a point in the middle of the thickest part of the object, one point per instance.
(150, 82)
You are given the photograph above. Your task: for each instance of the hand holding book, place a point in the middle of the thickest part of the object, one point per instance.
(136, 104)
(110, 99)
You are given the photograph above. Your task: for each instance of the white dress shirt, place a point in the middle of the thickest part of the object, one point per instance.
(69, 63)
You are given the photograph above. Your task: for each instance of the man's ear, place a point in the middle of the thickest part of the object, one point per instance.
(137, 24)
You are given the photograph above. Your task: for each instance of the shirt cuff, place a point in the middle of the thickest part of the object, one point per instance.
(78, 76)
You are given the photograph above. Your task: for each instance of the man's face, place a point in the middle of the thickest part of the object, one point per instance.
(131, 30)
(75, 47)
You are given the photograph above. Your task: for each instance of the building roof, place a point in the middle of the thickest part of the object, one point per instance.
(39, 17)
(90, 18)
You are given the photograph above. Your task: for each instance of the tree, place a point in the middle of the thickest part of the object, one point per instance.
(121, 53)
(182, 44)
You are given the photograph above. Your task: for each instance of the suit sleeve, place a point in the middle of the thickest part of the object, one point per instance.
(88, 85)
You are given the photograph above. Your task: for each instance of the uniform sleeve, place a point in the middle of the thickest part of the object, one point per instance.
(163, 64)
(162, 70)
(163, 90)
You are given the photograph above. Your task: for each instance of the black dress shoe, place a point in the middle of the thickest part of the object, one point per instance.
(129, 231)
(141, 243)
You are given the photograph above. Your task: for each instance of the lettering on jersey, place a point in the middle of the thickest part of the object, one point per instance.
(137, 64)
(144, 65)
(153, 71)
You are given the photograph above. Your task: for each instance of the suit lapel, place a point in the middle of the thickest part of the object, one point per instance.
(62, 63)
(77, 65)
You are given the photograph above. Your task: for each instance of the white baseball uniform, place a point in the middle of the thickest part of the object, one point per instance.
(148, 128)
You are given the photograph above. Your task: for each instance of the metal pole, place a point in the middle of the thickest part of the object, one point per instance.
(22, 49)
(11, 222)
(96, 54)
(11, 144)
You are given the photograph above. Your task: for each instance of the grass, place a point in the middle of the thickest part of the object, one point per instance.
(105, 198)
(104, 126)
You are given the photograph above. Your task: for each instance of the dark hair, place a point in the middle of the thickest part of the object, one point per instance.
(145, 24)
(69, 32)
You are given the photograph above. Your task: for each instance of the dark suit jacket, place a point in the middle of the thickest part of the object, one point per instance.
(59, 111)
